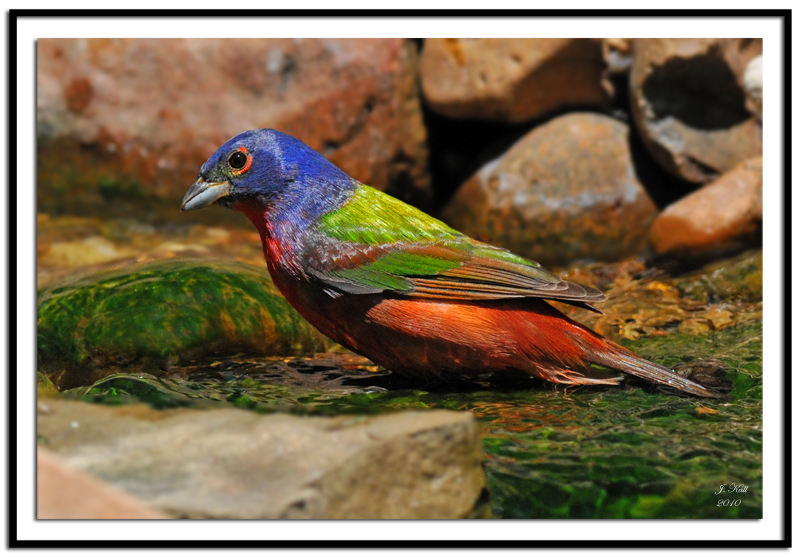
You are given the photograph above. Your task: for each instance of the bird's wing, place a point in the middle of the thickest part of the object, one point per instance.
(376, 243)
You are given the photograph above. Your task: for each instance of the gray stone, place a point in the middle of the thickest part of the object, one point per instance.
(232, 463)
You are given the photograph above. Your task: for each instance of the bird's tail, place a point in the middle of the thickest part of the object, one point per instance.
(619, 358)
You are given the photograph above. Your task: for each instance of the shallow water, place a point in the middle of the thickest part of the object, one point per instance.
(590, 452)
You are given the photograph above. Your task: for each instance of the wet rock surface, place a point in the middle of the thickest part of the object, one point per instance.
(567, 190)
(689, 105)
(270, 383)
(511, 80)
(156, 314)
(723, 217)
(228, 463)
(109, 140)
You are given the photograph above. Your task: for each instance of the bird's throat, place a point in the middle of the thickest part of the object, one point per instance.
(259, 216)
(278, 239)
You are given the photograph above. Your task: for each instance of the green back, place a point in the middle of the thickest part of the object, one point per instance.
(382, 244)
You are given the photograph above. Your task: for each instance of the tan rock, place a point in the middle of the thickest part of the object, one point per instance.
(688, 103)
(723, 217)
(236, 464)
(511, 80)
(567, 190)
(123, 122)
(63, 492)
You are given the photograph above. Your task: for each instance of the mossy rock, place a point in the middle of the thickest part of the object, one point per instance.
(160, 313)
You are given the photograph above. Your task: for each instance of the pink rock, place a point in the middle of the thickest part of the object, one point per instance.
(65, 493)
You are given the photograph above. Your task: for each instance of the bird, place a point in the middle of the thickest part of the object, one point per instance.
(401, 288)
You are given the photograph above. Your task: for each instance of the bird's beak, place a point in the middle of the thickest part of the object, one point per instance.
(202, 194)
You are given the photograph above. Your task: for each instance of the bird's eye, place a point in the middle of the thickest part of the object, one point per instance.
(237, 160)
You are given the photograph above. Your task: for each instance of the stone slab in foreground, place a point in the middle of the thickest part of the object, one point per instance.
(232, 463)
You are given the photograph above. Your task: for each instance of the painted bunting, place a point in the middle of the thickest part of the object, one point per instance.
(400, 287)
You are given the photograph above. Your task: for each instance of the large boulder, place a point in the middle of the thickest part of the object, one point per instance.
(567, 190)
(689, 104)
(235, 464)
(125, 122)
(721, 218)
(511, 80)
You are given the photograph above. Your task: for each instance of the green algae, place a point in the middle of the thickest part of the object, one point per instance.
(162, 313)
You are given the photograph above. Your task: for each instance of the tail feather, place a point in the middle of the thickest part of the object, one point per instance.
(624, 360)
(570, 347)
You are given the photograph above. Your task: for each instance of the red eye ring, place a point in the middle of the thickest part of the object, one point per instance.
(242, 169)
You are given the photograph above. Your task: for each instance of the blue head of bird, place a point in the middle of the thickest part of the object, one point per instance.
(268, 169)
